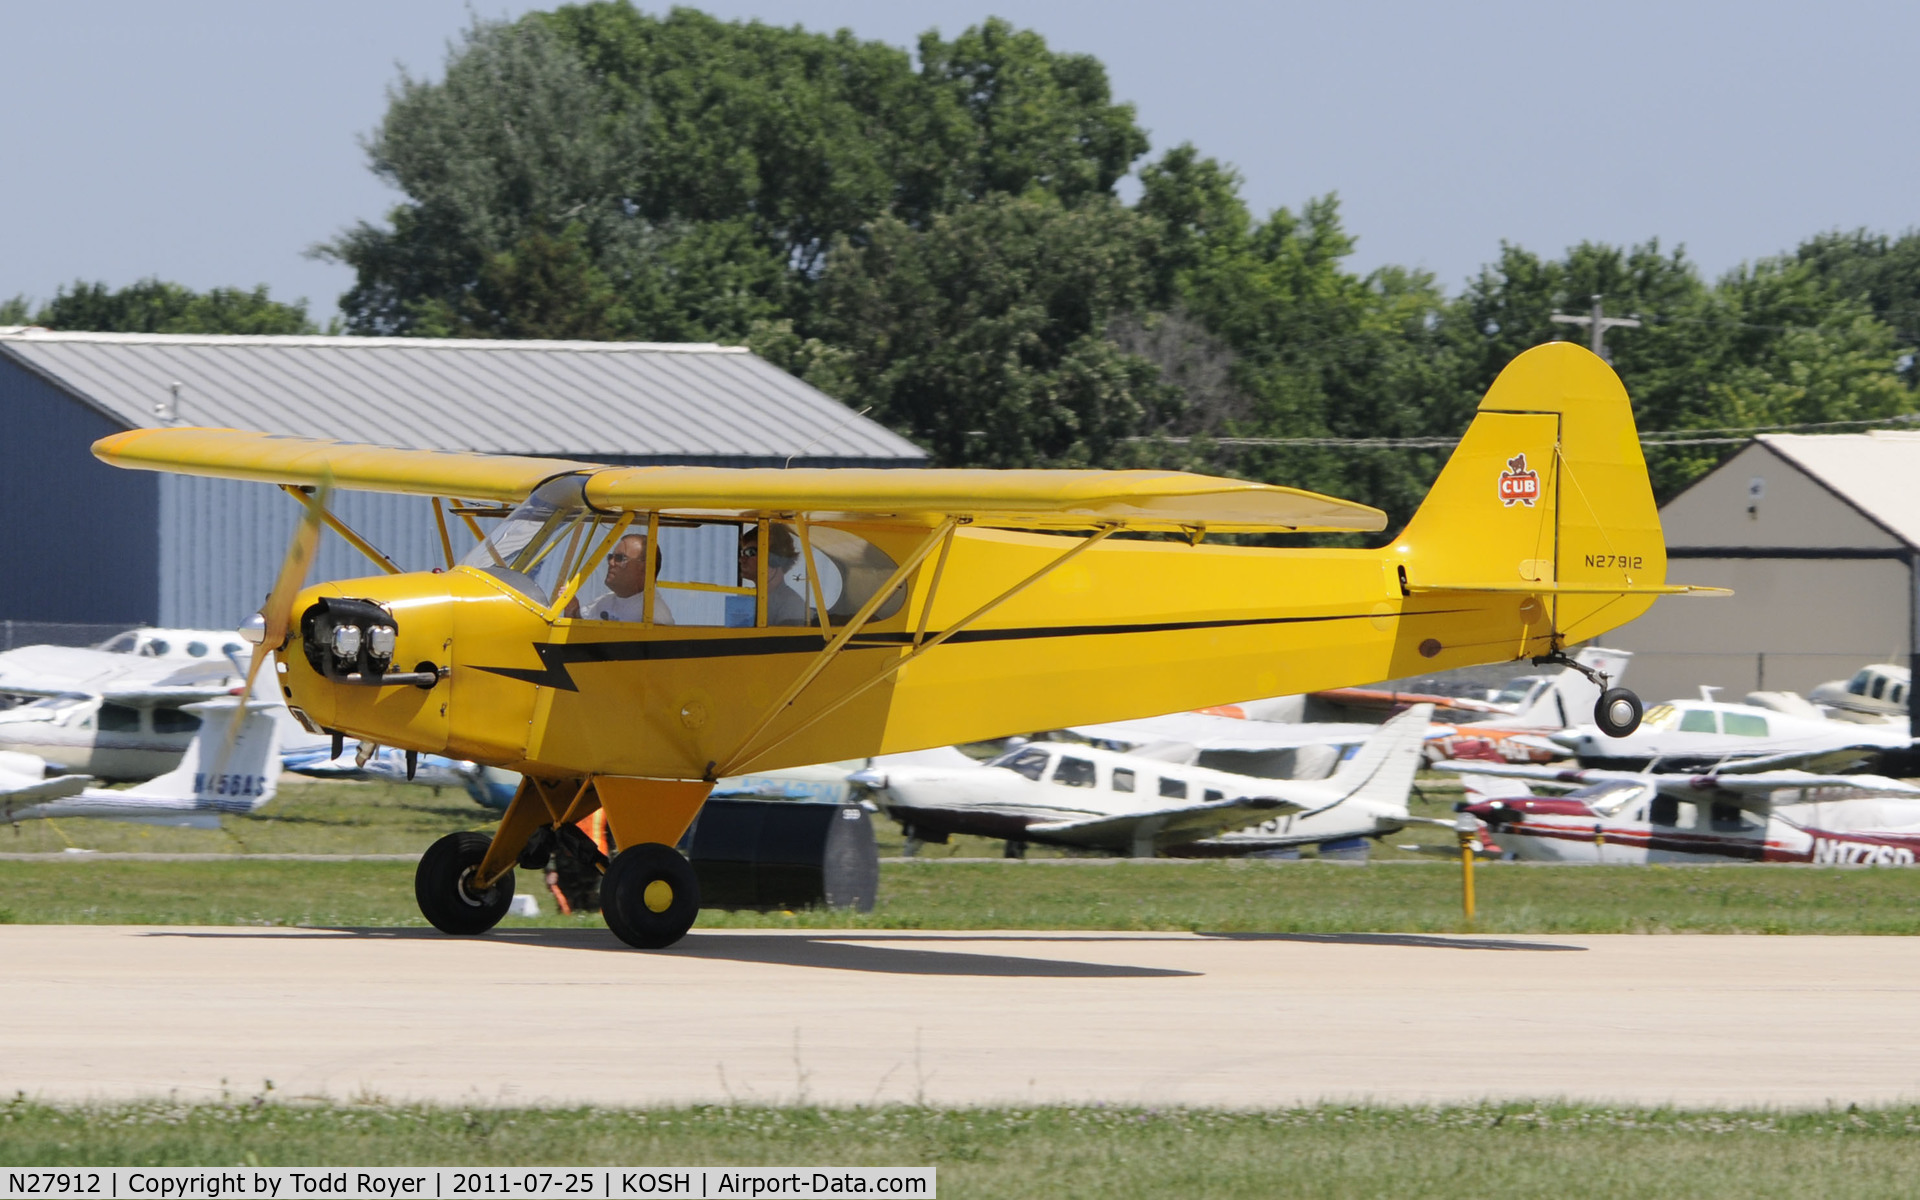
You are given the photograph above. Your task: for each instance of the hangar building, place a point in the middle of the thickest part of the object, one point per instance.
(87, 543)
(1819, 537)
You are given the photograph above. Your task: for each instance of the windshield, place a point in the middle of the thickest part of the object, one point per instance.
(538, 546)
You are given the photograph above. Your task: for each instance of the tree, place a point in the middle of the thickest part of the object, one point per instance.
(704, 168)
(982, 336)
(516, 158)
(155, 306)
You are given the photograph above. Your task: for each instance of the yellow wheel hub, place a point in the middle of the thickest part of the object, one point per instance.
(658, 896)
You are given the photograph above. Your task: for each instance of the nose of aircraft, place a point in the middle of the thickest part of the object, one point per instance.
(1493, 812)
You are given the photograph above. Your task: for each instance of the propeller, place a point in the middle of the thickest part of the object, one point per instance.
(268, 628)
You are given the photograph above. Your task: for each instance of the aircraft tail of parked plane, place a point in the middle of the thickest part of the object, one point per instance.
(1381, 770)
(211, 779)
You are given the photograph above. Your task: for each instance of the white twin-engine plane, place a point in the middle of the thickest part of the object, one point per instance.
(212, 779)
(1065, 794)
(1627, 817)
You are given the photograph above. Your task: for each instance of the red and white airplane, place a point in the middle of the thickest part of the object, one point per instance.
(1624, 817)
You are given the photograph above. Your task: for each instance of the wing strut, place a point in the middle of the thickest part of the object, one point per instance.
(741, 756)
(340, 527)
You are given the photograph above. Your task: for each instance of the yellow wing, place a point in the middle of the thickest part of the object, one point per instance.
(1167, 500)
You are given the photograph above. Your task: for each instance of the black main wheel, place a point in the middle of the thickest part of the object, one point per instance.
(443, 886)
(1618, 712)
(649, 896)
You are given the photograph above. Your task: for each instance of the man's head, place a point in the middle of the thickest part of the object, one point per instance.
(627, 566)
(781, 552)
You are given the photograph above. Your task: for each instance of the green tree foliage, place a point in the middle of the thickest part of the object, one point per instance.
(984, 334)
(154, 306)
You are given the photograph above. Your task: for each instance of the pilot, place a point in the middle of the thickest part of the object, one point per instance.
(784, 605)
(623, 594)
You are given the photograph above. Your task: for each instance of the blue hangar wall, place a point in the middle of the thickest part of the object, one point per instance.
(78, 539)
(87, 543)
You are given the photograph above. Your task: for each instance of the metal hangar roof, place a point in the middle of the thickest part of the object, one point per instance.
(623, 402)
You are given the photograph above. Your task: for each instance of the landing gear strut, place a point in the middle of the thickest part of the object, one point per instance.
(1618, 711)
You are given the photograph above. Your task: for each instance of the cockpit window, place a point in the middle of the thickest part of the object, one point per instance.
(1745, 724)
(1028, 762)
(539, 543)
(123, 643)
(1698, 720)
(1858, 684)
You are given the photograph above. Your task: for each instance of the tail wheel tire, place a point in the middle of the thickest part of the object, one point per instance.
(649, 896)
(443, 886)
(1618, 712)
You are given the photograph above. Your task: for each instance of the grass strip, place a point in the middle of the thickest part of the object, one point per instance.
(1116, 1153)
(1224, 897)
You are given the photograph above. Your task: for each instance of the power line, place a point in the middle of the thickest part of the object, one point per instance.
(1694, 437)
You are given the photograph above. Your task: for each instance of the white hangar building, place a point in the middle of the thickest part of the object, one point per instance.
(87, 543)
(1818, 535)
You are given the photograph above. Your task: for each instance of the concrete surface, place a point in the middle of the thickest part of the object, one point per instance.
(957, 1018)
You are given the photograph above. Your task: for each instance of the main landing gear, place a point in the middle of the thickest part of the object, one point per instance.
(1618, 711)
(649, 895)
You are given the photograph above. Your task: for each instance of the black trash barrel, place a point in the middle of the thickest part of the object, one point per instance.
(772, 854)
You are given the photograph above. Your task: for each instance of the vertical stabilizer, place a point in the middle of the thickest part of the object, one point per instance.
(1382, 770)
(218, 778)
(1545, 500)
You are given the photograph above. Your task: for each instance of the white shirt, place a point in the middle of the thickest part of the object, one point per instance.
(605, 606)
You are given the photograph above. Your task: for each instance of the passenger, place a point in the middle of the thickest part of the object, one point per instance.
(622, 596)
(784, 605)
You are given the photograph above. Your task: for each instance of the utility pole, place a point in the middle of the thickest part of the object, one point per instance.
(1597, 323)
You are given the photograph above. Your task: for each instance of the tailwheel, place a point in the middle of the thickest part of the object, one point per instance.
(1618, 712)
(649, 896)
(443, 886)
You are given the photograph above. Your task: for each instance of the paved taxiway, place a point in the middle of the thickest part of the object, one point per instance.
(851, 1018)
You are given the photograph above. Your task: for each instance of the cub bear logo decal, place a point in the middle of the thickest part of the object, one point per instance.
(1517, 484)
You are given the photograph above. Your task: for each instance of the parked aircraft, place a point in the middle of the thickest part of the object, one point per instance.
(1877, 692)
(177, 645)
(109, 715)
(212, 778)
(1684, 735)
(900, 609)
(1629, 817)
(1061, 794)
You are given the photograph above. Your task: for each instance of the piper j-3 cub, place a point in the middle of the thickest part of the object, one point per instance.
(753, 619)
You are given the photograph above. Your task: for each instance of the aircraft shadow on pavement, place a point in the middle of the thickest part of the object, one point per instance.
(1428, 941)
(832, 951)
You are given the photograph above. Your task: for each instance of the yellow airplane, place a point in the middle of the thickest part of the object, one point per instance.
(878, 611)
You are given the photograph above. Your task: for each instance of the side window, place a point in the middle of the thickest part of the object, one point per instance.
(1879, 686)
(1665, 810)
(1031, 763)
(1176, 788)
(1074, 772)
(172, 720)
(1745, 724)
(1122, 779)
(1899, 693)
(1698, 720)
(699, 574)
(196, 649)
(1213, 795)
(118, 718)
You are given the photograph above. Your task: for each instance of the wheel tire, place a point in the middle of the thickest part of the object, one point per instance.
(1618, 712)
(440, 886)
(640, 911)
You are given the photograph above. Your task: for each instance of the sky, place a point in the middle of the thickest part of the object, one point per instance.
(213, 142)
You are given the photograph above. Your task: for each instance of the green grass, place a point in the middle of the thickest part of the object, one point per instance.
(1110, 1153)
(928, 893)
(1224, 897)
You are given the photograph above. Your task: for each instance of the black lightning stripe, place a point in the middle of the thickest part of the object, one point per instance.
(556, 658)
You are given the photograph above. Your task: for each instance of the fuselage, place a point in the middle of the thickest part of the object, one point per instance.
(1626, 824)
(1127, 629)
